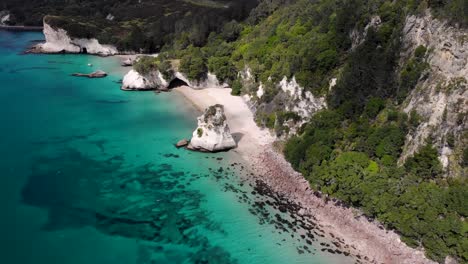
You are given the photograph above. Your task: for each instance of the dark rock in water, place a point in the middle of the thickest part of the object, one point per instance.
(282, 209)
(182, 143)
(170, 155)
(96, 74)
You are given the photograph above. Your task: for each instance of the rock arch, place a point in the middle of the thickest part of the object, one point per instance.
(176, 82)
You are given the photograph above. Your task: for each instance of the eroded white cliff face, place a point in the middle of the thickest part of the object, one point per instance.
(211, 81)
(4, 17)
(305, 104)
(212, 133)
(58, 40)
(441, 98)
(291, 98)
(154, 80)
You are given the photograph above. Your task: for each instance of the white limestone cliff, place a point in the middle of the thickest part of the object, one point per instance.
(211, 81)
(212, 133)
(4, 17)
(59, 41)
(151, 81)
(441, 97)
(291, 98)
(305, 104)
(156, 81)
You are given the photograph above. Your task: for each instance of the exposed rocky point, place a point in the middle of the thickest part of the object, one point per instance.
(135, 81)
(213, 133)
(182, 143)
(58, 40)
(96, 74)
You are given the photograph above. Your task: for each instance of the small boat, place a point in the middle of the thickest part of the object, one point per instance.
(89, 64)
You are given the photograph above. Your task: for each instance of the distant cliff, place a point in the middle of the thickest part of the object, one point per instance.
(58, 40)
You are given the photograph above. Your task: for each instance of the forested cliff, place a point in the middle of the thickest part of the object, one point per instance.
(369, 97)
(139, 25)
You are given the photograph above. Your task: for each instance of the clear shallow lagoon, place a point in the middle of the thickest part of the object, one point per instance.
(89, 174)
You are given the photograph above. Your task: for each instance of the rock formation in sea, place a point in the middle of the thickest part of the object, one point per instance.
(59, 41)
(212, 133)
(290, 97)
(153, 80)
(96, 74)
(182, 143)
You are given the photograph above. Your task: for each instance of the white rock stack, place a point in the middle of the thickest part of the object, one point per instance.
(152, 81)
(212, 133)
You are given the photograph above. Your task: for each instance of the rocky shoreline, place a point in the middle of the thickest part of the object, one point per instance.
(368, 241)
(351, 232)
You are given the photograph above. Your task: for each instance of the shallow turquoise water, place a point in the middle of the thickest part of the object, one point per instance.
(89, 174)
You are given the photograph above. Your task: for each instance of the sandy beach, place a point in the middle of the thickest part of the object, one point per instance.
(368, 240)
(249, 137)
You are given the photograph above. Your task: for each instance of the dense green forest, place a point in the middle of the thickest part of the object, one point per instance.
(136, 25)
(350, 150)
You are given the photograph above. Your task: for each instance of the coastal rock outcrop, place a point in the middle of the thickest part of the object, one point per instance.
(440, 99)
(96, 74)
(155, 80)
(213, 133)
(290, 98)
(211, 81)
(59, 41)
(134, 81)
(4, 17)
(305, 103)
(182, 143)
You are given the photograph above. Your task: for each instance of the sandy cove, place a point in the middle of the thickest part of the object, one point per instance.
(248, 135)
(365, 238)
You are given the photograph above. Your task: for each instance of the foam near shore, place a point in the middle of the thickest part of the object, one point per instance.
(364, 238)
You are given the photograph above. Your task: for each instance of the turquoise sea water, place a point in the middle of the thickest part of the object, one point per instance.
(89, 174)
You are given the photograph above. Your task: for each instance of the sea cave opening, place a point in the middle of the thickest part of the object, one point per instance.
(84, 50)
(176, 83)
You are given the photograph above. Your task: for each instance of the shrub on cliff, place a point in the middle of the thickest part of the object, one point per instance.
(145, 65)
(194, 65)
